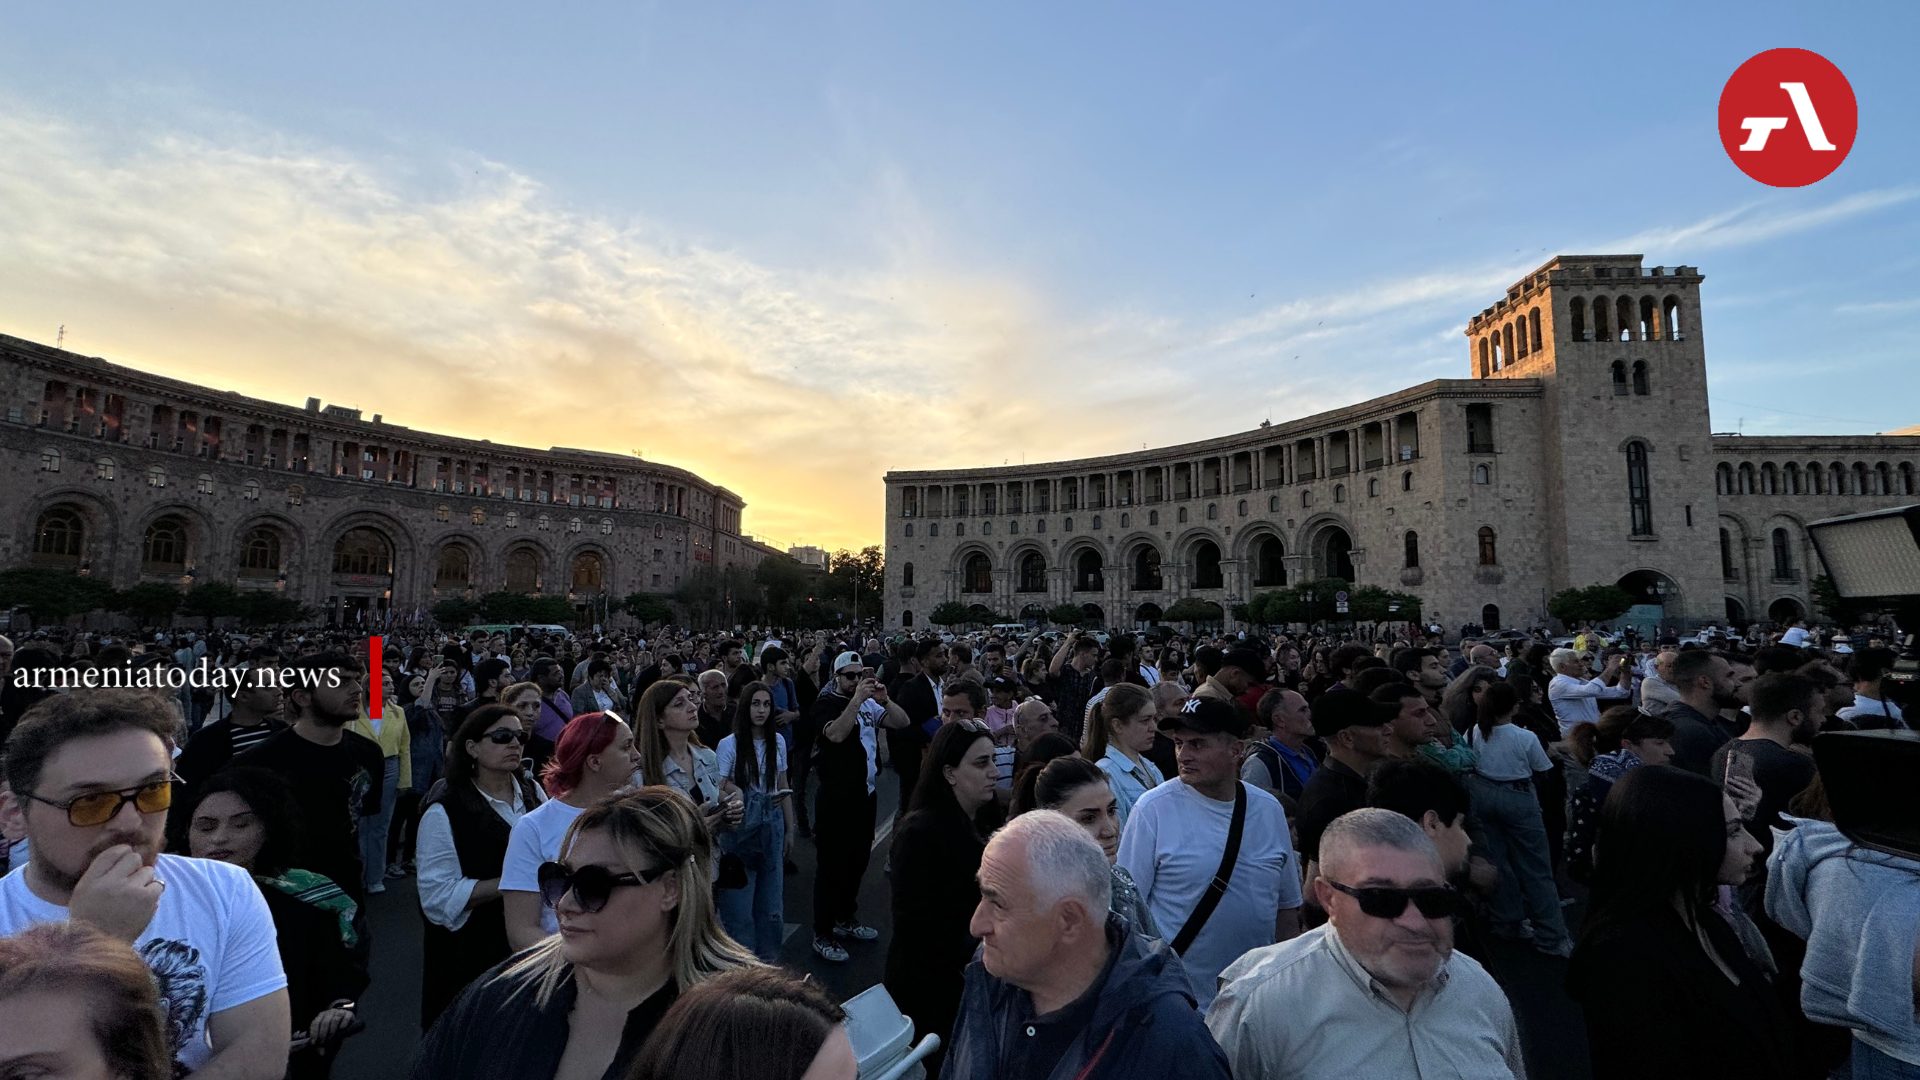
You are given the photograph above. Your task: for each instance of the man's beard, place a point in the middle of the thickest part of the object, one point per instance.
(1727, 699)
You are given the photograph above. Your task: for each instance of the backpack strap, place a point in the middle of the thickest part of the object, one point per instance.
(1217, 888)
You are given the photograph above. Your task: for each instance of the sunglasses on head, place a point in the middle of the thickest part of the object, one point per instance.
(591, 886)
(502, 736)
(1434, 901)
(100, 807)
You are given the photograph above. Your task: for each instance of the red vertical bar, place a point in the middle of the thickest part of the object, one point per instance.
(376, 667)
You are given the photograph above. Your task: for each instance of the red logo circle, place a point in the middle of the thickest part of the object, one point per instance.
(1788, 117)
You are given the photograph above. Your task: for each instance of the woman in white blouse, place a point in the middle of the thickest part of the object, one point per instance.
(464, 827)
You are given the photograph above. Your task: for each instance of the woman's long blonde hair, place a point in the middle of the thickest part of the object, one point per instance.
(651, 826)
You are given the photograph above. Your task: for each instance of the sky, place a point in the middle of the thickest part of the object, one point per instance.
(793, 246)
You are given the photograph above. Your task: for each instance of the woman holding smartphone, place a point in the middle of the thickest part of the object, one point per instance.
(753, 762)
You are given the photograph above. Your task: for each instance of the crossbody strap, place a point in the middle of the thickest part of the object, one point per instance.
(1217, 888)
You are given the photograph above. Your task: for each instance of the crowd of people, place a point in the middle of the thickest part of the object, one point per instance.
(1115, 855)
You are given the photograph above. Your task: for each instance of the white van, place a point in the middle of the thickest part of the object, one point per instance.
(1010, 629)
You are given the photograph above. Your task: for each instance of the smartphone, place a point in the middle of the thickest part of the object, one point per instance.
(1739, 763)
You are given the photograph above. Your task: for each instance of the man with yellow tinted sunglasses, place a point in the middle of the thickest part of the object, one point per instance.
(90, 778)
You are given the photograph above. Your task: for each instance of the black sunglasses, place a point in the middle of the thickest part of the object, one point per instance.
(1434, 901)
(591, 886)
(503, 736)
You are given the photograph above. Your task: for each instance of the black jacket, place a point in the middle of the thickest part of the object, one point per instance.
(1144, 1024)
(1658, 1008)
(496, 1030)
(934, 897)
(453, 958)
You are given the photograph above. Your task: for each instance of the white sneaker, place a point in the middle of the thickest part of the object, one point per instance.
(856, 932)
(828, 950)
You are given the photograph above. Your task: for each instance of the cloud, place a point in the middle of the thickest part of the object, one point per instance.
(463, 296)
(1758, 222)
(1880, 307)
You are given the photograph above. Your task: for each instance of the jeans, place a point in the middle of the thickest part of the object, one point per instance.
(755, 914)
(373, 830)
(1871, 1064)
(1517, 844)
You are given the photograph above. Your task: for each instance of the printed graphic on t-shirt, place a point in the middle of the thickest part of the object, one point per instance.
(181, 977)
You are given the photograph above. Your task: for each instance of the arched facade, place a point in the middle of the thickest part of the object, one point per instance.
(1586, 358)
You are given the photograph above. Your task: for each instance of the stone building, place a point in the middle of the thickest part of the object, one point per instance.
(131, 477)
(1577, 452)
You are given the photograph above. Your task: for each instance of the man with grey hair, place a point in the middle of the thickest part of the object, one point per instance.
(1378, 990)
(1061, 986)
(716, 715)
(1575, 695)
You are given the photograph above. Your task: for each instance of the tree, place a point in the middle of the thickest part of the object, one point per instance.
(259, 607)
(951, 613)
(856, 576)
(213, 600)
(52, 595)
(1277, 608)
(150, 602)
(1066, 615)
(504, 607)
(1190, 609)
(455, 612)
(549, 609)
(1591, 604)
(1833, 607)
(648, 608)
(786, 584)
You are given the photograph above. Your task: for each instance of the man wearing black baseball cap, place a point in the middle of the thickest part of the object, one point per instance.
(1211, 855)
(1356, 732)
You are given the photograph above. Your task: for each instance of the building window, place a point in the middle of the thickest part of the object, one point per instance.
(1040, 526)
(1066, 525)
(1489, 555)
(60, 537)
(1339, 493)
(543, 523)
(1640, 378)
(203, 484)
(933, 530)
(573, 525)
(165, 547)
(986, 528)
(1482, 474)
(1373, 487)
(1306, 499)
(909, 529)
(260, 553)
(1782, 556)
(959, 529)
(1726, 554)
(1639, 494)
(156, 477)
(1243, 508)
(1619, 378)
(513, 519)
(1406, 481)
(1126, 520)
(103, 469)
(606, 529)
(49, 460)
(1479, 429)
(906, 577)
(1180, 516)
(1413, 549)
(1013, 528)
(1153, 517)
(296, 495)
(250, 490)
(477, 516)
(659, 531)
(442, 513)
(1096, 523)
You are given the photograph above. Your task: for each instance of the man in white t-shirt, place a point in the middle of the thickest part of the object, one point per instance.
(1176, 838)
(90, 781)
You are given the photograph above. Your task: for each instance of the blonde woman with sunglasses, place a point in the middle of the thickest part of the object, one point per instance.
(632, 891)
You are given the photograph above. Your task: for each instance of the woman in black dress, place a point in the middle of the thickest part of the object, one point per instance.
(244, 816)
(936, 853)
(1668, 987)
